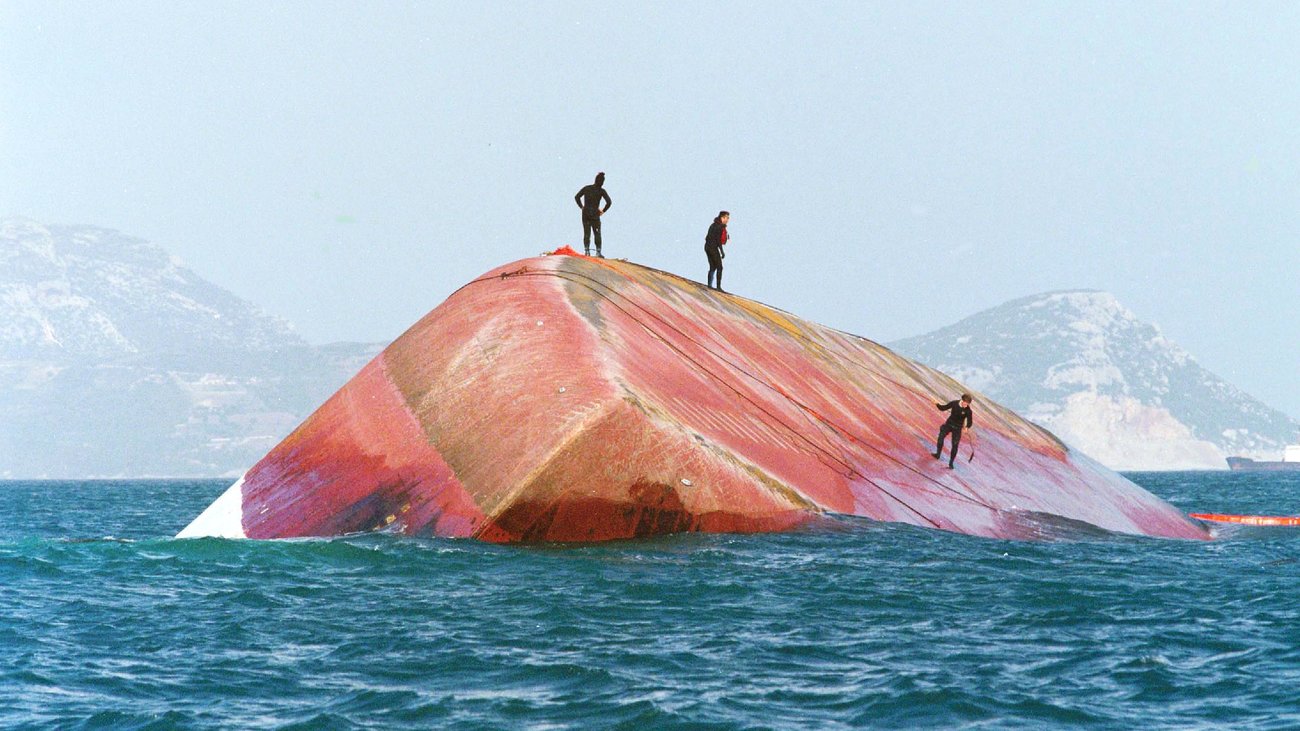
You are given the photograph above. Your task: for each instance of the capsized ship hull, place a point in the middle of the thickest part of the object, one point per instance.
(564, 398)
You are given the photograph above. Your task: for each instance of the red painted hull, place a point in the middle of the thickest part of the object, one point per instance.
(572, 399)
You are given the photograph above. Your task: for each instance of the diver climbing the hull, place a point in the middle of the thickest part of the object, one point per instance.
(959, 417)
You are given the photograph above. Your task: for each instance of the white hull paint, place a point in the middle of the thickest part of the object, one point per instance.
(222, 519)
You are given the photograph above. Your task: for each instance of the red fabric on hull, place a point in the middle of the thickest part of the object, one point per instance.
(359, 463)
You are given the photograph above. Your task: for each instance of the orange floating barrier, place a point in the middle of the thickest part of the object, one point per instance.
(1282, 520)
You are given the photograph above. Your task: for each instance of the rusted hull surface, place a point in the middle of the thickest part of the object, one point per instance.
(570, 399)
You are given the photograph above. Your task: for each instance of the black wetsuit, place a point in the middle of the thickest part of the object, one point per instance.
(589, 198)
(713, 249)
(959, 418)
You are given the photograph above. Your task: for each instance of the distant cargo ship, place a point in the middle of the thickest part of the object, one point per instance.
(1290, 462)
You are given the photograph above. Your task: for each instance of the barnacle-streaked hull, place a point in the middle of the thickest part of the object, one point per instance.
(564, 398)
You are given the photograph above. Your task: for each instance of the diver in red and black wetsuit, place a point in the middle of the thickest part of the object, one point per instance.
(714, 240)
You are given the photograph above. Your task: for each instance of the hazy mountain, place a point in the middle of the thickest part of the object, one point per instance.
(1082, 365)
(76, 293)
(116, 360)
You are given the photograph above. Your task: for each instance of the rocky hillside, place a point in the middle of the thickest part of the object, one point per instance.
(117, 360)
(1082, 365)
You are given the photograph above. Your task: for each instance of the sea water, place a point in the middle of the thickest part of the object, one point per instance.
(106, 622)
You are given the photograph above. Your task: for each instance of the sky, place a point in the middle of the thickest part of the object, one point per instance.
(890, 167)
